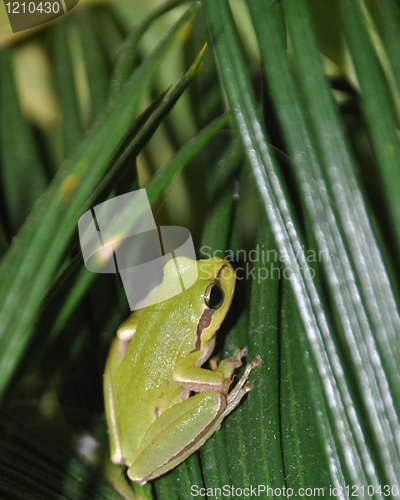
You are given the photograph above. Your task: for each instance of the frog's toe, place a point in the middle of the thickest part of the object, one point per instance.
(256, 361)
(244, 352)
(249, 386)
(236, 358)
(226, 383)
(214, 363)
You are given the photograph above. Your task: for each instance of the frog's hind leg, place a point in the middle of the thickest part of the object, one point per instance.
(185, 427)
(176, 434)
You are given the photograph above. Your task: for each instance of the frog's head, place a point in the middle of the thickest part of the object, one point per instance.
(204, 304)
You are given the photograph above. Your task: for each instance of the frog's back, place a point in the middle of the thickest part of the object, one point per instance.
(144, 383)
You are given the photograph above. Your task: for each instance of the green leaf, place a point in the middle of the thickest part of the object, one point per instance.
(378, 111)
(265, 440)
(302, 452)
(37, 462)
(64, 75)
(289, 244)
(95, 63)
(23, 177)
(127, 54)
(391, 33)
(329, 236)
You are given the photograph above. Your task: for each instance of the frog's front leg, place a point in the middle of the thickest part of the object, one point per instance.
(192, 377)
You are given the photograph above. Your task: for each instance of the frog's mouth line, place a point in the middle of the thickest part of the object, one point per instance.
(204, 323)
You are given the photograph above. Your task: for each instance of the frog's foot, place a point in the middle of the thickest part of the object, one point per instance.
(229, 365)
(232, 363)
(241, 388)
(244, 385)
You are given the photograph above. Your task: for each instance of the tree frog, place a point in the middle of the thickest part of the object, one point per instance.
(161, 405)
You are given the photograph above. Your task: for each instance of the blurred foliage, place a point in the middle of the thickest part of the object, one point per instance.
(298, 185)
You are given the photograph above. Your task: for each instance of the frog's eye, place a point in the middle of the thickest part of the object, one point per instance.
(214, 296)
